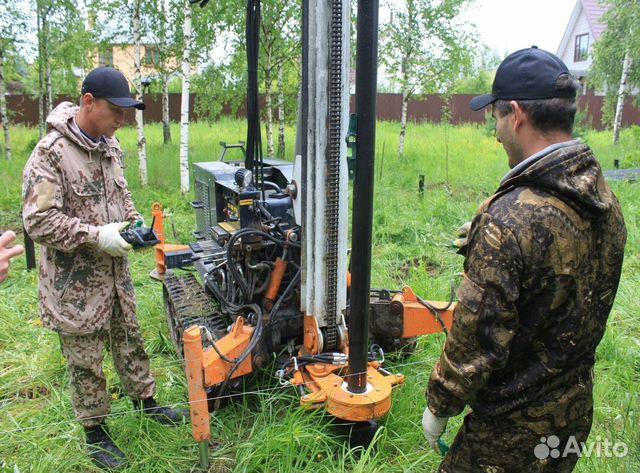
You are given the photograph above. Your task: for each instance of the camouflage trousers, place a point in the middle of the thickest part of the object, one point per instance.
(543, 437)
(84, 355)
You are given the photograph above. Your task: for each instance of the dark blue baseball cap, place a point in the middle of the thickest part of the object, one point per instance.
(528, 74)
(110, 84)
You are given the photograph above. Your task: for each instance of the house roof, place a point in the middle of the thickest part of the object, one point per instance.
(593, 11)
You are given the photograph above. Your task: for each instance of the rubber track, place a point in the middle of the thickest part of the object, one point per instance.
(188, 304)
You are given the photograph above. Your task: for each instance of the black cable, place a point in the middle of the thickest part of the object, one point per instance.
(241, 358)
(263, 287)
(436, 310)
(273, 185)
(255, 338)
(276, 306)
(234, 271)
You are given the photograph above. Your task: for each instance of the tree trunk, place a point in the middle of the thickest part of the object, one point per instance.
(142, 141)
(403, 123)
(166, 122)
(49, 100)
(164, 75)
(184, 109)
(4, 118)
(41, 61)
(281, 143)
(617, 122)
(268, 103)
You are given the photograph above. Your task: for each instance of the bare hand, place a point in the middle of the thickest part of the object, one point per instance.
(7, 253)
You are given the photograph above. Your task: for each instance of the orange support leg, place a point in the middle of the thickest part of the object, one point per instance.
(193, 354)
(158, 223)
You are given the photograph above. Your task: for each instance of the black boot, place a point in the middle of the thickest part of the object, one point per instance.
(164, 415)
(102, 450)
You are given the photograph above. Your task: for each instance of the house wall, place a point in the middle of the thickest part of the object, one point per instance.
(581, 26)
(123, 60)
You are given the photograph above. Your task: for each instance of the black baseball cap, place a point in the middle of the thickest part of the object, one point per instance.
(110, 84)
(528, 74)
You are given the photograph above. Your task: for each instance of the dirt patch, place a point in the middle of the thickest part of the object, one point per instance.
(33, 392)
(430, 267)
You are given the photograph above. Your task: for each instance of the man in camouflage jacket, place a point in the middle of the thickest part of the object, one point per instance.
(76, 202)
(543, 262)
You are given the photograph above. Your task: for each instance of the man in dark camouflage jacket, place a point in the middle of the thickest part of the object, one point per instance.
(76, 202)
(542, 267)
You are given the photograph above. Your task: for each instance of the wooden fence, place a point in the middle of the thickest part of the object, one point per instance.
(24, 109)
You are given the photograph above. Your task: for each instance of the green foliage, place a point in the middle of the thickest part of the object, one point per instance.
(267, 431)
(162, 21)
(224, 81)
(424, 48)
(582, 123)
(630, 158)
(621, 36)
(12, 43)
(489, 124)
(479, 78)
(63, 44)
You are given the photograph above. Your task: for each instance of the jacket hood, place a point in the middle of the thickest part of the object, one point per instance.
(571, 173)
(61, 119)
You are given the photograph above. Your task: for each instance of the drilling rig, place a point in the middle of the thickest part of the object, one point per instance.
(271, 247)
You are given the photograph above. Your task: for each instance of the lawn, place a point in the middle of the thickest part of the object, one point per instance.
(267, 431)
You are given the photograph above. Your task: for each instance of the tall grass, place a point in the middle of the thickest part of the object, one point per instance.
(266, 431)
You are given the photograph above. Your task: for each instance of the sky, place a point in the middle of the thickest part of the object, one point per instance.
(508, 25)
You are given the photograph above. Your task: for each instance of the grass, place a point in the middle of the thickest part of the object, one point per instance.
(267, 431)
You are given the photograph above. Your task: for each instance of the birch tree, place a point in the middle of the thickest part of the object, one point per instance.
(281, 121)
(43, 10)
(422, 48)
(165, 29)
(137, 74)
(222, 81)
(622, 88)
(616, 59)
(62, 46)
(11, 25)
(4, 117)
(184, 106)
(278, 44)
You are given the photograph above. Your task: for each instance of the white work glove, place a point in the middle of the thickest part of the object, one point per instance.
(110, 241)
(433, 427)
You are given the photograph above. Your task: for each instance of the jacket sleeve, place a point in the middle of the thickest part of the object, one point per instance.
(485, 319)
(43, 198)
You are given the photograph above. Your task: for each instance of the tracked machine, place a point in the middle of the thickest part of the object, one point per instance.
(275, 278)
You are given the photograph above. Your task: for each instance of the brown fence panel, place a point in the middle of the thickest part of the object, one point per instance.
(23, 109)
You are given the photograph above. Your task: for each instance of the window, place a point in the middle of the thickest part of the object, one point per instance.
(105, 57)
(151, 55)
(581, 48)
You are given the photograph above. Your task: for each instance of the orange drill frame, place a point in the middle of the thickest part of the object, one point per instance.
(326, 382)
(418, 319)
(205, 368)
(162, 248)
